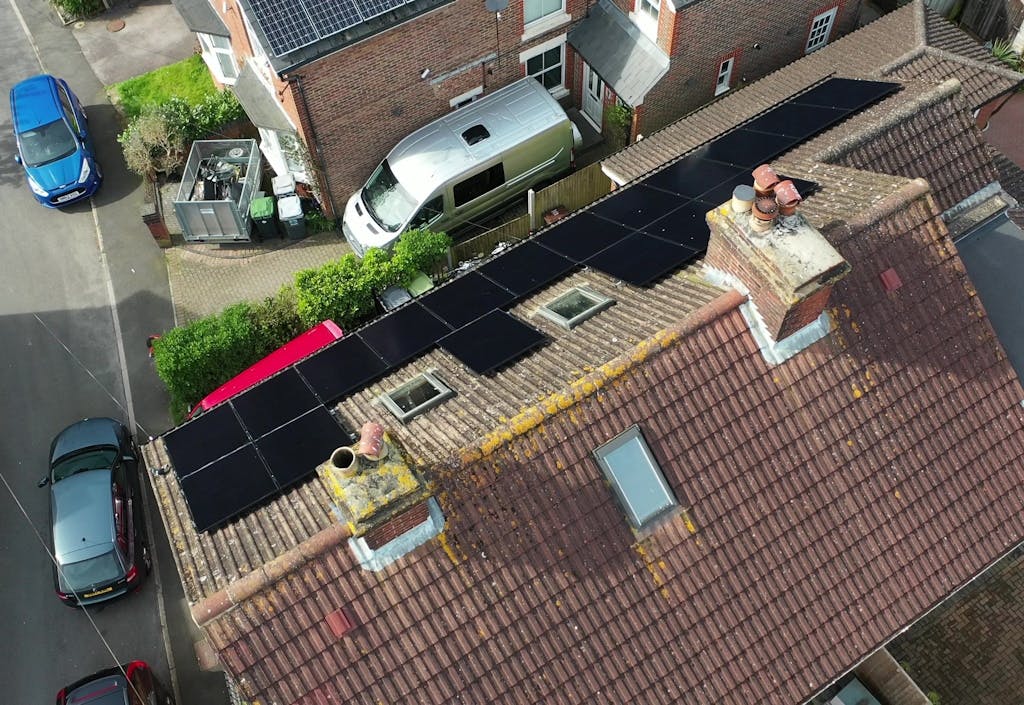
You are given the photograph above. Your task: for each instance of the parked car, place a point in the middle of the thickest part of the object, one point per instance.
(463, 166)
(313, 340)
(54, 144)
(130, 684)
(96, 512)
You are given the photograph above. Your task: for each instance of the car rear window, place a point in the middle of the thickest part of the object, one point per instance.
(80, 576)
(47, 143)
(93, 459)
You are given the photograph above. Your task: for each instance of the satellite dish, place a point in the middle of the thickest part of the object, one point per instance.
(495, 5)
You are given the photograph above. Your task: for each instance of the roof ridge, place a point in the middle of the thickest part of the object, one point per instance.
(594, 381)
(910, 191)
(905, 110)
(921, 23)
(1004, 71)
(239, 590)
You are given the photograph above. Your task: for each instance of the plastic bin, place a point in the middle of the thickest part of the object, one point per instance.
(289, 211)
(262, 212)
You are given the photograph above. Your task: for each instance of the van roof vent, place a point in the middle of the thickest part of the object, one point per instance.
(477, 133)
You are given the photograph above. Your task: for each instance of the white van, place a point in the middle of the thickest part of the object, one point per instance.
(463, 165)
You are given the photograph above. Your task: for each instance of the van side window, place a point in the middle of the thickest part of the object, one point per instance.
(430, 210)
(478, 184)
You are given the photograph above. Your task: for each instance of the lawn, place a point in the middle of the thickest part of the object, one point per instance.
(188, 79)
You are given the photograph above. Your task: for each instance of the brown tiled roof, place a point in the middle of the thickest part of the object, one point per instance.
(829, 501)
(1011, 176)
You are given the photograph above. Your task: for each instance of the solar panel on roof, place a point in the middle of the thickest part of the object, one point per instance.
(331, 16)
(635, 206)
(526, 268)
(294, 450)
(286, 24)
(747, 149)
(465, 299)
(796, 121)
(686, 225)
(847, 94)
(403, 334)
(273, 402)
(225, 488)
(641, 259)
(582, 235)
(491, 341)
(342, 368)
(693, 175)
(373, 8)
(205, 438)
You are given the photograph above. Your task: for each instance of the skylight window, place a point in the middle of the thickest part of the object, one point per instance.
(575, 306)
(633, 473)
(421, 393)
(477, 133)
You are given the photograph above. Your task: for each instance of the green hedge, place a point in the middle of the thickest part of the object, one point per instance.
(195, 359)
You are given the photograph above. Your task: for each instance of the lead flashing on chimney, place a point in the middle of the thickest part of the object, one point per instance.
(774, 352)
(379, 559)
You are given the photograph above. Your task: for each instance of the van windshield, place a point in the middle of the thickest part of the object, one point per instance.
(388, 202)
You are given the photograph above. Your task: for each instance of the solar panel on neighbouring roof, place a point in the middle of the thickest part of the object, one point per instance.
(526, 268)
(465, 299)
(331, 16)
(222, 490)
(403, 334)
(635, 206)
(294, 450)
(693, 175)
(286, 24)
(582, 235)
(373, 8)
(273, 402)
(491, 341)
(205, 438)
(641, 259)
(342, 368)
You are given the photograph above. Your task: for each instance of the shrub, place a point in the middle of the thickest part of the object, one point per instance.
(317, 222)
(276, 320)
(620, 124)
(78, 9)
(151, 145)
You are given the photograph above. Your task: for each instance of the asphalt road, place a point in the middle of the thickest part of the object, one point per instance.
(81, 289)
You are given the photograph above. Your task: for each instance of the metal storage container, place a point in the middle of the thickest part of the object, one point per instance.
(213, 200)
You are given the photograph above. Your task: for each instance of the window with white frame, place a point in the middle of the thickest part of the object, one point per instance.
(219, 57)
(646, 16)
(634, 474)
(421, 393)
(575, 306)
(724, 76)
(821, 28)
(466, 98)
(548, 66)
(534, 10)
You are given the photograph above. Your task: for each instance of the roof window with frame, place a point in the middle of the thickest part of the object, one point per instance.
(575, 306)
(422, 393)
(634, 474)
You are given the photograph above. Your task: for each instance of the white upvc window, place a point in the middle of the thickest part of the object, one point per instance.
(542, 16)
(219, 57)
(724, 76)
(466, 98)
(645, 15)
(821, 29)
(546, 63)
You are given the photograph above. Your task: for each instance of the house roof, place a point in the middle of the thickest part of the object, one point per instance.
(200, 17)
(827, 502)
(619, 52)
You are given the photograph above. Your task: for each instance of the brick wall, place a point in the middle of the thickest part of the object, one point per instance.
(396, 526)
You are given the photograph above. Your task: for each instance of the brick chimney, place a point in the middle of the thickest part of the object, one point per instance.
(386, 504)
(787, 266)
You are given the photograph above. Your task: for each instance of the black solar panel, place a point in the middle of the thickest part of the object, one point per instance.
(641, 259)
(341, 369)
(403, 334)
(222, 490)
(492, 341)
(526, 268)
(465, 299)
(582, 235)
(685, 225)
(693, 175)
(635, 206)
(294, 450)
(796, 121)
(847, 94)
(273, 402)
(204, 439)
(747, 149)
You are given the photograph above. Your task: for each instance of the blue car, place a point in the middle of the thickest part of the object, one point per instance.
(54, 145)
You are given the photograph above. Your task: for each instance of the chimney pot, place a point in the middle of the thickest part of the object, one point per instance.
(764, 212)
(742, 198)
(765, 179)
(344, 460)
(371, 441)
(787, 196)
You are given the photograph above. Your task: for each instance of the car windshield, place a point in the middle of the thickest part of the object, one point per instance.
(80, 576)
(89, 459)
(387, 200)
(47, 143)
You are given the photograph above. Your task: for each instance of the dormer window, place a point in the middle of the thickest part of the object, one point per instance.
(634, 474)
(575, 306)
(421, 393)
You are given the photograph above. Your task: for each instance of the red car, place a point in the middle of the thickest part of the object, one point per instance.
(129, 684)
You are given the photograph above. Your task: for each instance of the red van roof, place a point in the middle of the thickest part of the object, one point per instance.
(316, 338)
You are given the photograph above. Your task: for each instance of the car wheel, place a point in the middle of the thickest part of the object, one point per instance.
(147, 560)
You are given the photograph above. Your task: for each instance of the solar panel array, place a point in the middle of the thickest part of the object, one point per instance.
(260, 442)
(293, 24)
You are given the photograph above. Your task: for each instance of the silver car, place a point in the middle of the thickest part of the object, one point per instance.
(99, 541)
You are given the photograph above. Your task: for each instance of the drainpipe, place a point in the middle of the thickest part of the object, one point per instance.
(300, 104)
